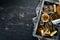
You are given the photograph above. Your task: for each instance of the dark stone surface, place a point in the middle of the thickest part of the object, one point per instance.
(16, 19)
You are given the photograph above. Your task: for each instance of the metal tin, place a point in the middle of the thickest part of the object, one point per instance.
(37, 18)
